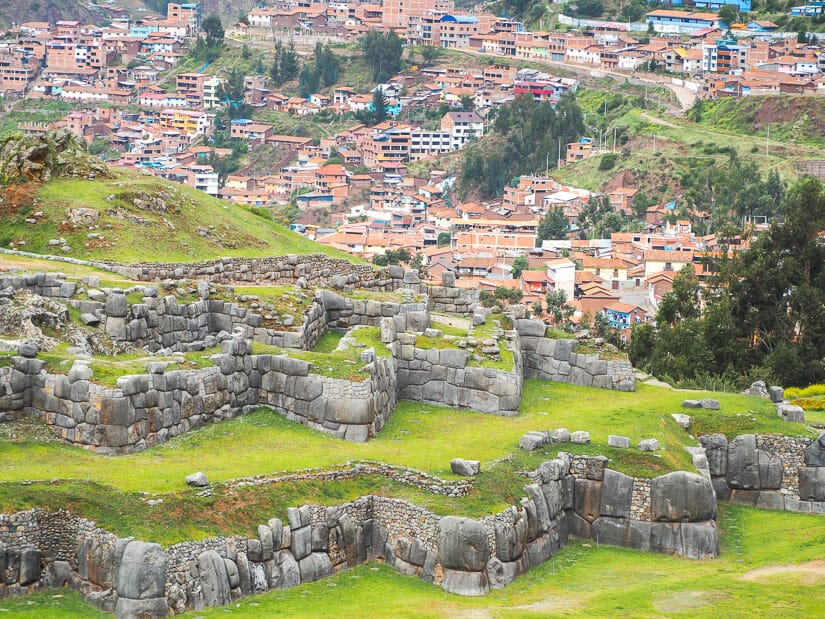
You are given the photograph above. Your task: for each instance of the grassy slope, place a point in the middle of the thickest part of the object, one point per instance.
(168, 236)
(794, 119)
(582, 579)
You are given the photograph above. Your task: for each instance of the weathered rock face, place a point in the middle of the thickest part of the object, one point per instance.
(750, 468)
(815, 453)
(771, 471)
(37, 158)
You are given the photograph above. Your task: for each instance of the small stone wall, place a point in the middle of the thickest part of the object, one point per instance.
(400, 474)
(317, 270)
(12, 393)
(163, 324)
(768, 470)
(445, 377)
(557, 360)
(462, 555)
(52, 285)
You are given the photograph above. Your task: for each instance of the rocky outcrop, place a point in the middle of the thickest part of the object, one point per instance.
(37, 158)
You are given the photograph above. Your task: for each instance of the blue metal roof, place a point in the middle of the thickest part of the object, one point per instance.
(460, 19)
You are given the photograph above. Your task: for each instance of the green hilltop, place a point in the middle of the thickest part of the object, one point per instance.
(61, 207)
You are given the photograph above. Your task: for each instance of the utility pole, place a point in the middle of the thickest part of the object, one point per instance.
(558, 161)
(614, 139)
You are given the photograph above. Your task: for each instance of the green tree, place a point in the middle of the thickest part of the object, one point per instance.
(231, 94)
(383, 53)
(558, 308)
(429, 54)
(589, 8)
(212, 29)
(683, 301)
(444, 239)
(553, 226)
(378, 113)
(519, 264)
(728, 13)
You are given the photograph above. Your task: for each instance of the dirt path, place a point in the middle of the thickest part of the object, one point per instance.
(658, 121)
(812, 572)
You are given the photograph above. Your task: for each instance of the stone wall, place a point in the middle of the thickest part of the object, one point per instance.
(148, 409)
(462, 555)
(446, 377)
(768, 470)
(51, 285)
(557, 360)
(400, 474)
(12, 392)
(316, 270)
(673, 513)
(161, 323)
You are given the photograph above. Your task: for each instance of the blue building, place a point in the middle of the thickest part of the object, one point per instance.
(743, 6)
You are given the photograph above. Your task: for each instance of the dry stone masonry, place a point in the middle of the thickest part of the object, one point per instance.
(557, 360)
(577, 497)
(768, 470)
(145, 410)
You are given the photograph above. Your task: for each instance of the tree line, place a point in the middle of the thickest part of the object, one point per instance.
(525, 138)
(759, 317)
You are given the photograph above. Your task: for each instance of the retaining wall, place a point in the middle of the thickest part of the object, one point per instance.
(768, 470)
(446, 377)
(148, 409)
(463, 555)
(557, 360)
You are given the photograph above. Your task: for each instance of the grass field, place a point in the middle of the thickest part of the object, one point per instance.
(191, 226)
(770, 565)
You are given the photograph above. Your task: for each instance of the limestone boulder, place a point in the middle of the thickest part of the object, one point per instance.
(815, 452)
(716, 451)
(791, 412)
(465, 468)
(141, 574)
(812, 483)
(213, 578)
(197, 480)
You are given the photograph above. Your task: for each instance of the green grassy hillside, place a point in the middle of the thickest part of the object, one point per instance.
(131, 217)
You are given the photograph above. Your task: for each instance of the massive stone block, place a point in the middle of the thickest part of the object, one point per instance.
(743, 463)
(716, 451)
(815, 452)
(617, 494)
(682, 497)
(812, 483)
(214, 579)
(462, 544)
(141, 574)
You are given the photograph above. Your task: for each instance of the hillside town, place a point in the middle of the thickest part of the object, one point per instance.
(121, 80)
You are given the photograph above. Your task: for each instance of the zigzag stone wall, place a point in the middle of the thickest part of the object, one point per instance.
(148, 409)
(446, 377)
(463, 555)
